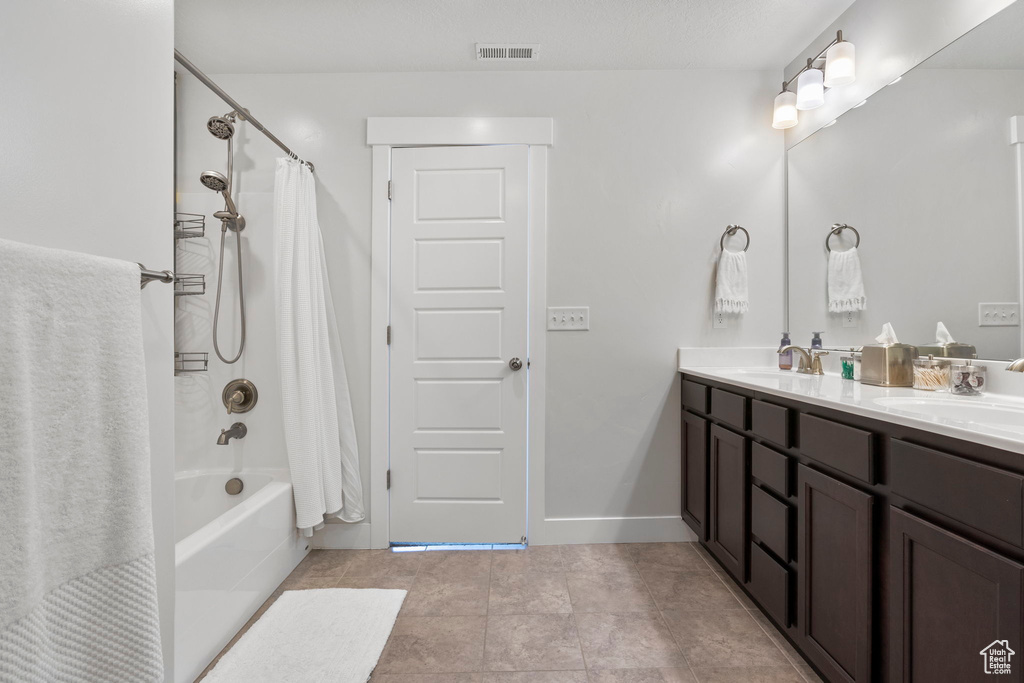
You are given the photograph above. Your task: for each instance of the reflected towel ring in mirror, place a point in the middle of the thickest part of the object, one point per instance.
(730, 230)
(837, 229)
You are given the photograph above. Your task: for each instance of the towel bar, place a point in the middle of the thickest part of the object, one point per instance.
(151, 275)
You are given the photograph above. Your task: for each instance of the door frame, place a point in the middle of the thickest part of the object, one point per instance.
(383, 134)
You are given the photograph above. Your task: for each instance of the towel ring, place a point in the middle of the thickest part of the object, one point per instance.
(837, 229)
(730, 230)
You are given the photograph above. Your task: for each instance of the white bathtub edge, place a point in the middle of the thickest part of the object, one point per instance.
(273, 570)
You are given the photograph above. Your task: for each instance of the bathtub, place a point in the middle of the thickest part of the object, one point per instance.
(230, 553)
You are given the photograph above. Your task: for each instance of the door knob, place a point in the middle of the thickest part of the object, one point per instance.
(515, 363)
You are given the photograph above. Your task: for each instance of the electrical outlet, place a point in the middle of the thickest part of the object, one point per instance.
(569, 318)
(999, 315)
(720, 320)
(851, 319)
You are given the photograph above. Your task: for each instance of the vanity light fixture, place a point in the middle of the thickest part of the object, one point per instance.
(832, 67)
(785, 115)
(810, 88)
(840, 64)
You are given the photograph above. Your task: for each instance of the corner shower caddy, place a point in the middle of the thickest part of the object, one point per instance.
(189, 226)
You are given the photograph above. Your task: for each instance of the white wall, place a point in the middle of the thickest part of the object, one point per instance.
(646, 171)
(891, 38)
(86, 133)
(929, 181)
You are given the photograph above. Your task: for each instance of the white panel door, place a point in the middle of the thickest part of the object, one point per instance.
(459, 224)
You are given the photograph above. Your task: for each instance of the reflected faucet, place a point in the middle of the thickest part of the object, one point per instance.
(810, 362)
(237, 431)
(1016, 366)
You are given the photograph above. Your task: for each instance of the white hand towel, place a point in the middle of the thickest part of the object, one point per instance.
(845, 282)
(78, 595)
(731, 283)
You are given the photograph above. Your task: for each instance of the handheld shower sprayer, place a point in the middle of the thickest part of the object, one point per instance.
(218, 182)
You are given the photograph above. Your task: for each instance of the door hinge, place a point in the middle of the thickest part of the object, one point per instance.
(389, 480)
(389, 335)
(389, 190)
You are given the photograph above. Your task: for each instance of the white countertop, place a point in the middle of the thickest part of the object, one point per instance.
(958, 417)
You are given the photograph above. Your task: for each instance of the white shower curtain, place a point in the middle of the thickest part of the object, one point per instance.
(318, 426)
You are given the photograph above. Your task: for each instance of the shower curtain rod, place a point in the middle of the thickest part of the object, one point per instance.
(239, 109)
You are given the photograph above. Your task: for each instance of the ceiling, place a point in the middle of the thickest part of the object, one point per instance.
(328, 36)
(995, 44)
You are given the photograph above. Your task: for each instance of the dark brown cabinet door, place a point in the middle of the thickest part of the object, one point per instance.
(834, 592)
(950, 600)
(728, 533)
(695, 474)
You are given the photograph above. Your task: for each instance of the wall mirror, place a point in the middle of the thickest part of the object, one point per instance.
(928, 173)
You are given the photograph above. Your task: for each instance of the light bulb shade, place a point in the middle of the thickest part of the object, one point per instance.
(810, 90)
(785, 115)
(840, 65)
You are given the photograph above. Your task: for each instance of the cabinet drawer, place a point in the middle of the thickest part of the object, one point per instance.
(770, 521)
(729, 407)
(846, 449)
(985, 498)
(695, 396)
(770, 468)
(769, 582)
(770, 422)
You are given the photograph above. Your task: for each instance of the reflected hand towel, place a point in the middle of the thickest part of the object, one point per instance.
(845, 282)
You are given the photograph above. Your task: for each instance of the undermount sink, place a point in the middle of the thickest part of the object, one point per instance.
(965, 410)
(767, 373)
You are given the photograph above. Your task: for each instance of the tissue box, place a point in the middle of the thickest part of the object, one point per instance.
(950, 350)
(888, 365)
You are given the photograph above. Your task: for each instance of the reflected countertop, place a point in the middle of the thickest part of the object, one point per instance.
(995, 420)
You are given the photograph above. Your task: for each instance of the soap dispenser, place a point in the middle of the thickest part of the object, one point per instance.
(816, 340)
(785, 359)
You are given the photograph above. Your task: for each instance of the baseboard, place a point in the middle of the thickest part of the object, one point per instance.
(557, 531)
(342, 536)
(570, 530)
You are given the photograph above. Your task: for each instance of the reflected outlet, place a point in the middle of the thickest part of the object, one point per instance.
(571, 318)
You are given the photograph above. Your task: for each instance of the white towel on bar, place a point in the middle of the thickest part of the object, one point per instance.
(731, 283)
(319, 428)
(78, 598)
(845, 282)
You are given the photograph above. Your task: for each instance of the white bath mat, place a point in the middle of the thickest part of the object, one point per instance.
(329, 635)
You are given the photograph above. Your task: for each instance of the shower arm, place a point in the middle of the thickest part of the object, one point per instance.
(241, 111)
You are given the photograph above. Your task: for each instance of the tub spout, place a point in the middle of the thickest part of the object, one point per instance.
(237, 431)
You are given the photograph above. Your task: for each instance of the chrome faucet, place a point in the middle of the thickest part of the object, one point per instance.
(810, 361)
(237, 431)
(1016, 366)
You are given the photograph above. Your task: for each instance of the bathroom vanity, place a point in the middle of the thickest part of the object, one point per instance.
(887, 544)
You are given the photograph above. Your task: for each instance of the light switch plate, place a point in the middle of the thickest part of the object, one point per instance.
(719, 320)
(999, 315)
(851, 318)
(568, 318)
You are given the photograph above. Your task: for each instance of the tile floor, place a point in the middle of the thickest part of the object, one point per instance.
(625, 613)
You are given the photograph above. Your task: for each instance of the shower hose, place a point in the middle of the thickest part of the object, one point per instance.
(241, 296)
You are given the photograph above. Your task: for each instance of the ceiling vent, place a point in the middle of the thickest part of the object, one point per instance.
(508, 52)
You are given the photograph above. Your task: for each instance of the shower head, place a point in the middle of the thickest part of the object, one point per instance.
(218, 183)
(221, 127)
(214, 180)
